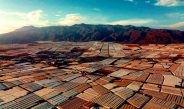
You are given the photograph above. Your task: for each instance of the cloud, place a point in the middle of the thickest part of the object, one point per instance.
(177, 25)
(136, 22)
(147, 1)
(10, 25)
(169, 3)
(129, 0)
(13, 20)
(57, 15)
(176, 15)
(35, 15)
(96, 9)
(39, 23)
(6, 29)
(2, 12)
(71, 19)
(32, 16)
(7, 25)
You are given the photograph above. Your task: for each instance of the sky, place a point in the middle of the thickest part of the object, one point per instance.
(15, 14)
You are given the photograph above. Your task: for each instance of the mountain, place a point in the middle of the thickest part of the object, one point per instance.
(86, 32)
(26, 28)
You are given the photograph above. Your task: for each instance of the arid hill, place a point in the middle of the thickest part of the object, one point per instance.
(86, 32)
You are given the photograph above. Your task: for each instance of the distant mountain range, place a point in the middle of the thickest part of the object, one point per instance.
(86, 32)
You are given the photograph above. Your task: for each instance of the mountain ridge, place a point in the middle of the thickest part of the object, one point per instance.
(88, 32)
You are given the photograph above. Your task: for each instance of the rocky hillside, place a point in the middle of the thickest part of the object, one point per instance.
(85, 32)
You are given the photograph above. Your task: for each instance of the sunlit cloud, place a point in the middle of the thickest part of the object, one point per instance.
(129, 0)
(8, 26)
(71, 19)
(5, 13)
(169, 3)
(33, 18)
(35, 15)
(75, 18)
(57, 15)
(177, 25)
(136, 22)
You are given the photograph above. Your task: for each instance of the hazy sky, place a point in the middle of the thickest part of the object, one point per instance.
(153, 13)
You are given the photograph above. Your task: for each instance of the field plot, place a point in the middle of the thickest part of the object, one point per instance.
(96, 75)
